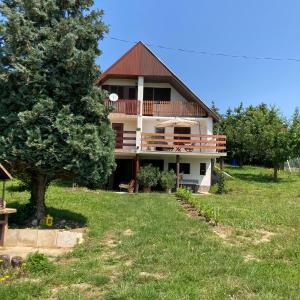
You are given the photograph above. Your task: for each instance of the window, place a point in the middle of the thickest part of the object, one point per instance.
(157, 163)
(181, 130)
(183, 168)
(202, 168)
(124, 92)
(159, 130)
(132, 93)
(163, 94)
(148, 93)
(158, 94)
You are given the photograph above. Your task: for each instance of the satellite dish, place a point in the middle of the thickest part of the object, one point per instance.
(113, 97)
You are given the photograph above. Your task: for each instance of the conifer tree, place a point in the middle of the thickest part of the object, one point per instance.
(53, 120)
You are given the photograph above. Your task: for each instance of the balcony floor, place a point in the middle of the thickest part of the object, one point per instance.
(129, 152)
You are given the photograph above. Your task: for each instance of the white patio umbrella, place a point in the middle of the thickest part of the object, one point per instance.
(177, 123)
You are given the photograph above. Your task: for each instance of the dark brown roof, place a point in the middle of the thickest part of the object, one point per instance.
(141, 61)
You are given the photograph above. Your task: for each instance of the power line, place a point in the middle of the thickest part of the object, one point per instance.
(201, 52)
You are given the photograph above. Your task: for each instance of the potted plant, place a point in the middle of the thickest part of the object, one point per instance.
(167, 180)
(148, 177)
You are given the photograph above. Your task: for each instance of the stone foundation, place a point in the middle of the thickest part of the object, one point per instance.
(203, 189)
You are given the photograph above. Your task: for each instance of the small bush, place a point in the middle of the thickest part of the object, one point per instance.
(184, 194)
(167, 179)
(38, 263)
(149, 176)
(221, 184)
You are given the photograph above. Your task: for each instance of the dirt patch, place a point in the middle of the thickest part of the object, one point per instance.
(128, 263)
(109, 240)
(85, 289)
(190, 210)
(224, 232)
(152, 275)
(265, 237)
(250, 257)
(238, 236)
(108, 254)
(128, 232)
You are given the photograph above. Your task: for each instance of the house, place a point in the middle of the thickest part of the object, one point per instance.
(159, 120)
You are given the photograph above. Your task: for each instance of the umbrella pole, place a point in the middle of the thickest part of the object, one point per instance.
(177, 170)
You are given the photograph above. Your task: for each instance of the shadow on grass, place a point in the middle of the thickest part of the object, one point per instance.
(17, 188)
(20, 219)
(65, 183)
(262, 178)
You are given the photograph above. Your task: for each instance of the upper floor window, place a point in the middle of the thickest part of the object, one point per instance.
(124, 92)
(157, 94)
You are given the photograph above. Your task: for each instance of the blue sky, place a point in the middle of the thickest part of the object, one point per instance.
(254, 28)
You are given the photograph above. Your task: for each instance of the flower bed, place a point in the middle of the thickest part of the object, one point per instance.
(211, 215)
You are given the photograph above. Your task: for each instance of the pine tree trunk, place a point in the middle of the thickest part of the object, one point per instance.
(39, 185)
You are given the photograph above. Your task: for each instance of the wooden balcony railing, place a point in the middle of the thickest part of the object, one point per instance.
(157, 108)
(122, 106)
(183, 142)
(172, 109)
(125, 139)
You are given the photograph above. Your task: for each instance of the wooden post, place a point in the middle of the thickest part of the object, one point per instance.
(3, 229)
(3, 190)
(177, 170)
(221, 163)
(137, 171)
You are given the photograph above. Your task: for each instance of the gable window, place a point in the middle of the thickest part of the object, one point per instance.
(202, 168)
(124, 92)
(183, 168)
(157, 94)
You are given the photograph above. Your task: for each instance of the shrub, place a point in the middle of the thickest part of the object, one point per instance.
(149, 176)
(38, 263)
(184, 194)
(221, 184)
(167, 180)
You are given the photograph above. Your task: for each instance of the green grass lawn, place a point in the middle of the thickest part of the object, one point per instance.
(145, 246)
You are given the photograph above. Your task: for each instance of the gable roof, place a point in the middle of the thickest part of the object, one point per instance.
(141, 61)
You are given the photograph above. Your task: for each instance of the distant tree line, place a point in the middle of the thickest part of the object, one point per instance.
(260, 135)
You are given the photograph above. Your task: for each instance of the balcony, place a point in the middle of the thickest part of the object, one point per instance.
(156, 108)
(123, 106)
(192, 143)
(172, 109)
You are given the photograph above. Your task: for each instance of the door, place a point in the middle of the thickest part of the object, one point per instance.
(124, 172)
(118, 128)
(181, 130)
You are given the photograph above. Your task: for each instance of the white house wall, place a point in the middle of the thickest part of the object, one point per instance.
(121, 82)
(203, 180)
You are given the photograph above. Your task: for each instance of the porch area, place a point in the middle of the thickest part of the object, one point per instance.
(152, 142)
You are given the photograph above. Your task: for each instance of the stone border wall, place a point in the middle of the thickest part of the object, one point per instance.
(43, 238)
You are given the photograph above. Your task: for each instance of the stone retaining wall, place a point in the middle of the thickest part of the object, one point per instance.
(43, 238)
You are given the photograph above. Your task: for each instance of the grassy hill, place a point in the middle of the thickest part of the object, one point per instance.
(146, 246)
